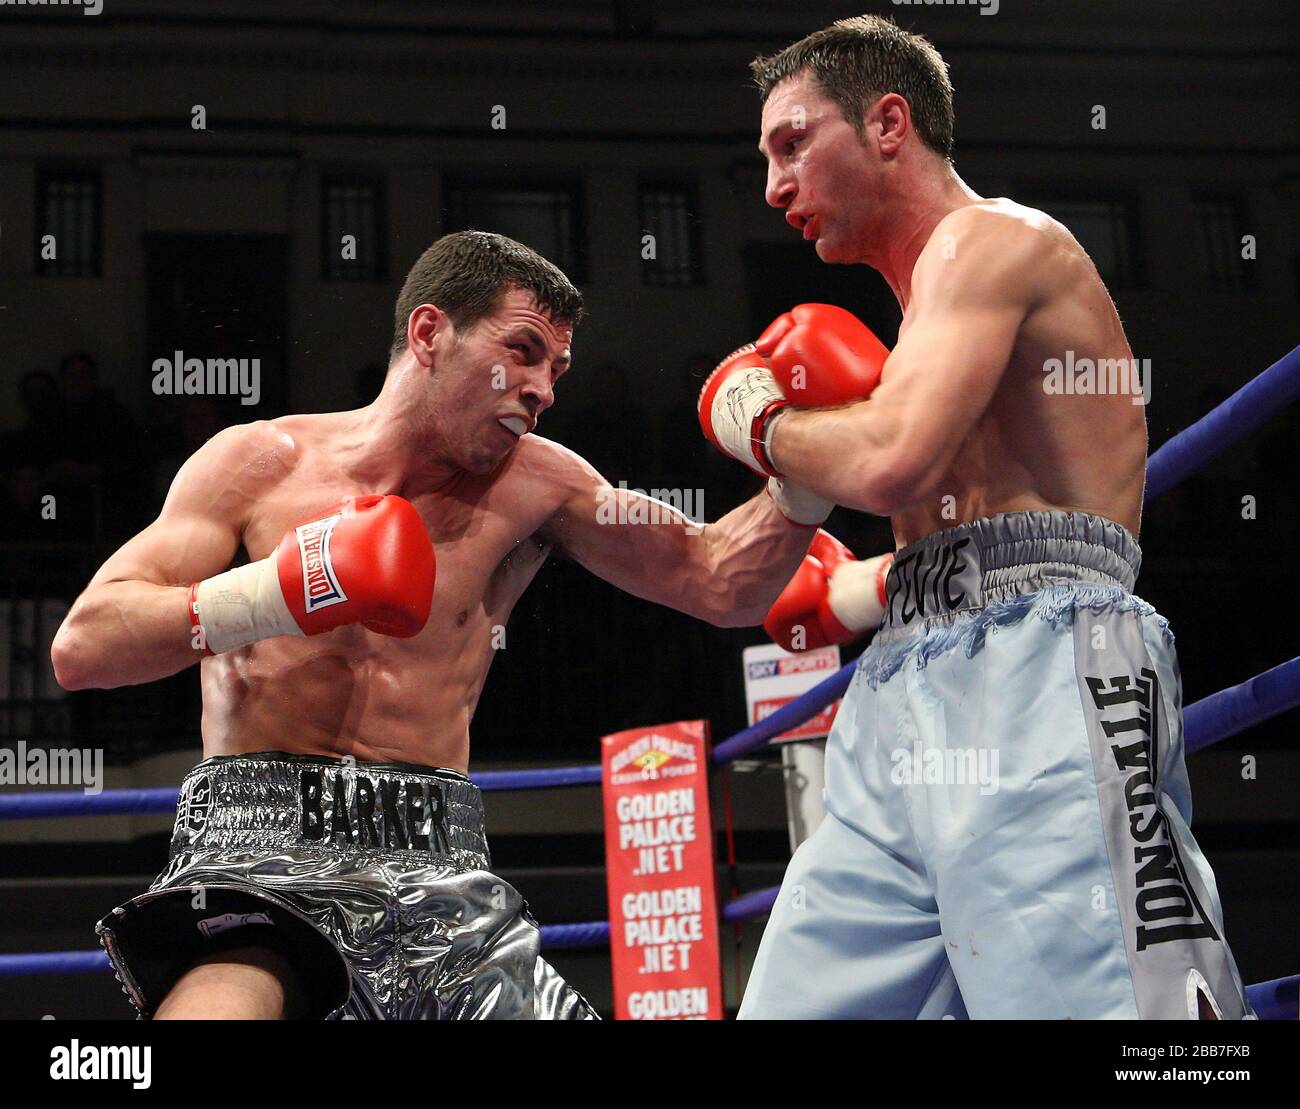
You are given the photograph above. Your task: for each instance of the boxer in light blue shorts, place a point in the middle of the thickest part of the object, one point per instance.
(1007, 830)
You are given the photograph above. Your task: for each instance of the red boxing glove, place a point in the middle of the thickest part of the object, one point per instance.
(736, 404)
(736, 407)
(366, 561)
(821, 356)
(831, 599)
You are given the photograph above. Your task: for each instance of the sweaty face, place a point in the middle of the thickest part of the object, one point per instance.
(821, 174)
(493, 381)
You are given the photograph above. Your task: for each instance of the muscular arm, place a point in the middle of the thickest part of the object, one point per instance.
(131, 624)
(889, 451)
(727, 573)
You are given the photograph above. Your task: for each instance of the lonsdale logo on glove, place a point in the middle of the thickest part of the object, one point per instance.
(377, 543)
(320, 586)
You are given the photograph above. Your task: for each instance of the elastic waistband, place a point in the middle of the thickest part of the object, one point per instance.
(271, 800)
(977, 564)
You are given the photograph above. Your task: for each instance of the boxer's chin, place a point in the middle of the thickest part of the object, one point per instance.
(484, 464)
(487, 458)
(828, 249)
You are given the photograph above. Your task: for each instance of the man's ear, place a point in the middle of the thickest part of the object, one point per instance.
(892, 116)
(425, 323)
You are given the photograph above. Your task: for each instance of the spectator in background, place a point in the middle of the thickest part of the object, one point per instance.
(97, 465)
(22, 489)
(609, 430)
(26, 454)
(198, 420)
(39, 395)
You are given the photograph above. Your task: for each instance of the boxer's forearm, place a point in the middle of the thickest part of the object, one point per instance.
(751, 553)
(854, 456)
(124, 633)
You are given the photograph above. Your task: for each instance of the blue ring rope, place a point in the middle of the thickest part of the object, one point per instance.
(1224, 425)
(1207, 721)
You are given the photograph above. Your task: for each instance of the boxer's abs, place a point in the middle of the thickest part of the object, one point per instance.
(330, 703)
(354, 692)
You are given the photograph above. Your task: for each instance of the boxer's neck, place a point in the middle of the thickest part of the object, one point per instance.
(393, 446)
(921, 199)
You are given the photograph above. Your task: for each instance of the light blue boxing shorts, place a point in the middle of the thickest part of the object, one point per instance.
(1007, 830)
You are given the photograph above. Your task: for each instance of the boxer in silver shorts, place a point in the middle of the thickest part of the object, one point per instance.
(301, 886)
(374, 878)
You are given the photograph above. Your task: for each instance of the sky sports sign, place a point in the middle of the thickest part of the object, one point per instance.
(774, 677)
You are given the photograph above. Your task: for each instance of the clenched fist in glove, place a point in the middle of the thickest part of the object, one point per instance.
(812, 356)
(832, 597)
(367, 561)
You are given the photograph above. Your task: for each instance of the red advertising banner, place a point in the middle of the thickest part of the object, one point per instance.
(663, 904)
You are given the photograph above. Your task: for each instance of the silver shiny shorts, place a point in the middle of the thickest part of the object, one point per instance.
(371, 879)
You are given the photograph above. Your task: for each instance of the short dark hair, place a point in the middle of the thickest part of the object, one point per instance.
(467, 273)
(856, 61)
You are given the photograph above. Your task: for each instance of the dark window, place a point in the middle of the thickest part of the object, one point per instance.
(669, 212)
(68, 210)
(354, 232)
(1107, 228)
(1220, 221)
(545, 216)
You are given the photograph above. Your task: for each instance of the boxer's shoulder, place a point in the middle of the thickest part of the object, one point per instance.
(238, 460)
(551, 470)
(551, 479)
(258, 439)
(302, 443)
(999, 224)
(997, 215)
(995, 247)
(295, 434)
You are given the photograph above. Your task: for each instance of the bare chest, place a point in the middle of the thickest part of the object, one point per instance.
(483, 536)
